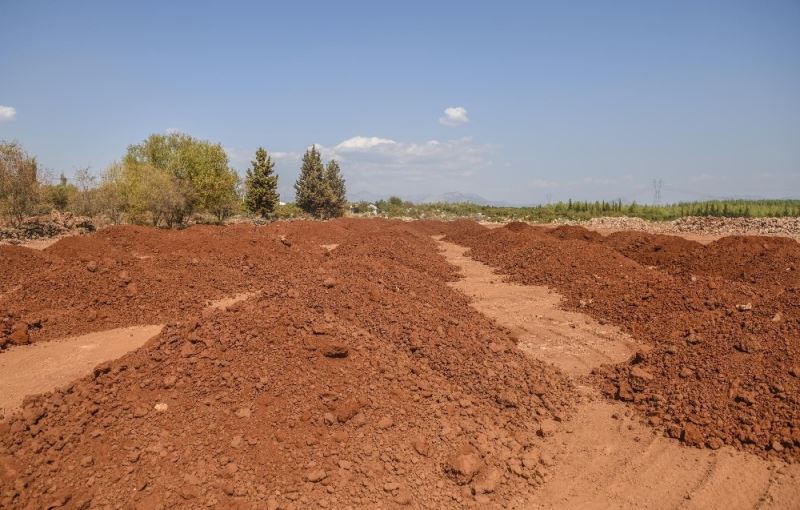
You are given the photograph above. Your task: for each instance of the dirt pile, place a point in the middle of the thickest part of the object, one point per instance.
(722, 367)
(769, 263)
(125, 276)
(357, 378)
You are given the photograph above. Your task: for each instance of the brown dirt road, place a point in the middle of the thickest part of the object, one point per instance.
(603, 457)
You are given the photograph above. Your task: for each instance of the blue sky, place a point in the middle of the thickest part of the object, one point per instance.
(588, 100)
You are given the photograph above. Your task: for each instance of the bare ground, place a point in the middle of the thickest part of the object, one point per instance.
(40, 367)
(603, 457)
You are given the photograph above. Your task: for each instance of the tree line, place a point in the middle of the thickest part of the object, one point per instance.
(167, 180)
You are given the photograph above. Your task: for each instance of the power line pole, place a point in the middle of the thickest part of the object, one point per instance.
(657, 185)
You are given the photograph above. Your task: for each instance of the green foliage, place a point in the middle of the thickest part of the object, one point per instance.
(85, 201)
(320, 190)
(579, 210)
(199, 172)
(109, 195)
(61, 195)
(261, 185)
(310, 185)
(151, 195)
(336, 199)
(288, 211)
(19, 182)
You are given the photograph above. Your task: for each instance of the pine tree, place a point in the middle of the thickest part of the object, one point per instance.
(261, 195)
(336, 199)
(320, 189)
(310, 186)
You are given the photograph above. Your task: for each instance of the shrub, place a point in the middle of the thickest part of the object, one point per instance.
(19, 183)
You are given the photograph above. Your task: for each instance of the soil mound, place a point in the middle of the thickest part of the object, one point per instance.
(723, 364)
(566, 232)
(464, 228)
(517, 226)
(356, 378)
(127, 276)
(770, 263)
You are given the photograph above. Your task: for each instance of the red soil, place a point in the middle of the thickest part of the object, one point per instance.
(723, 367)
(355, 378)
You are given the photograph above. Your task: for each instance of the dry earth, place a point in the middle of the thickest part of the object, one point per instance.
(38, 368)
(602, 457)
(362, 364)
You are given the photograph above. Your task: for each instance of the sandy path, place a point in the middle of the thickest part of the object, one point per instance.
(605, 458)
(40, 367)
(573, 342)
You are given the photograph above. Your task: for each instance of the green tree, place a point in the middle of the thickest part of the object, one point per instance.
(261, 185)
(336, 199)
(201, 169)
(61, 195)
(320, 189)
(85, 201)
(310, 187)
(110, 197)
(19, 182)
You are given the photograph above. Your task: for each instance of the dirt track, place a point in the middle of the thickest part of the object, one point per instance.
(604, 457)
(348, 363)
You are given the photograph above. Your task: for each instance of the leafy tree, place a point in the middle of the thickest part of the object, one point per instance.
(261, 185)
(310, 186)
(150, 195)
(201, 168)
(61, 195)
(19, 183)
(86, 200)
(336, 199)
(110, 197)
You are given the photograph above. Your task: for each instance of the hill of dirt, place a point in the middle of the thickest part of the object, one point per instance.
(355, 378)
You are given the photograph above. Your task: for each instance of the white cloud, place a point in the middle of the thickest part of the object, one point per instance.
(454, 116)
(173, 131)
(285, 155)
(386, 166)
(362, 143)
(374, 161)
(7, 113)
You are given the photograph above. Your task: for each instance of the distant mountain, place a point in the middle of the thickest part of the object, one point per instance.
(364, 196)
(451, 197)
(454, 197)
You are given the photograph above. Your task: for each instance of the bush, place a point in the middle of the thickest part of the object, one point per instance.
(198, 171)
(60, 196)
(19, 182)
